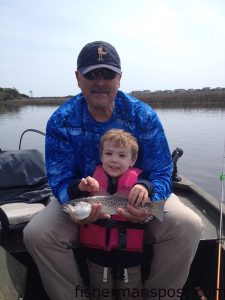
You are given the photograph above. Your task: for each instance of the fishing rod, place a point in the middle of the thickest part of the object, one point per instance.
(220, 240)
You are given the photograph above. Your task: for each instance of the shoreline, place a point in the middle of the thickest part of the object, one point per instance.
(165, 99)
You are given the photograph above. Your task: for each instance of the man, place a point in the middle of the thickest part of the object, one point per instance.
(72, 141)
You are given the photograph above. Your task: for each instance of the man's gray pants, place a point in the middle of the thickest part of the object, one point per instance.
(50, 234)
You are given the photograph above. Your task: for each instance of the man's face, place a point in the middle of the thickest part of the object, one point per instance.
(99, 89)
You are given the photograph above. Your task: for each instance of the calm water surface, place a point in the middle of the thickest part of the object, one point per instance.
(199, 132)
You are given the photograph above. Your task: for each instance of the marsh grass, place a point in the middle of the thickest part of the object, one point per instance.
(212, 98)
(55, 101)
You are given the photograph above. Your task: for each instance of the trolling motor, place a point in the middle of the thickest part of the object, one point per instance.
(177, 153)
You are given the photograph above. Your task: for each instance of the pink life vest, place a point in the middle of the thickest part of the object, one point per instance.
(116, 233)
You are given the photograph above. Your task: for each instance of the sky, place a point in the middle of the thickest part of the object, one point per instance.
(163, 44)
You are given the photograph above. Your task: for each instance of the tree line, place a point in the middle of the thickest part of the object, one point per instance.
(11, 94)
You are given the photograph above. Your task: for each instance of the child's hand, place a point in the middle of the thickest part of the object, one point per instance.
(89, 184)
(138, 195)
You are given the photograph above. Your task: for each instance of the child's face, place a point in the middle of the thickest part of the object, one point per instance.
(116, 160)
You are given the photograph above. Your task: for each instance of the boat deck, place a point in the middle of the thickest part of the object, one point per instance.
(204, 267)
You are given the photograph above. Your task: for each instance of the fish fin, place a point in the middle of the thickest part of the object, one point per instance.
(123, 194)
(158, 209)
(101, 192)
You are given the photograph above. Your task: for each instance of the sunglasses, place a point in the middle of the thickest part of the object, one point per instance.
(106, 74)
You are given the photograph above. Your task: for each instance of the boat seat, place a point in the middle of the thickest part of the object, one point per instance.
(13, 218)
(24, 191)
(18, 213)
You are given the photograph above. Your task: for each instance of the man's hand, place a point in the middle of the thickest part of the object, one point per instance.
(95, 214)
(138, 195)
(88, 184)
(134, 215)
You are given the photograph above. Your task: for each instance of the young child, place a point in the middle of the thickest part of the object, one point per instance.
(116, 245)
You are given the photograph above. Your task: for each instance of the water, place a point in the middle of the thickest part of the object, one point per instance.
(199, 132)
(201, 135)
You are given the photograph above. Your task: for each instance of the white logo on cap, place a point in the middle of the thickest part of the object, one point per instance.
(101, 52)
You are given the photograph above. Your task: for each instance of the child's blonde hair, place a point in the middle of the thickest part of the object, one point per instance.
(119, 137)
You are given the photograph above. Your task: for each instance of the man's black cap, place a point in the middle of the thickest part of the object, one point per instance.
(96, 55)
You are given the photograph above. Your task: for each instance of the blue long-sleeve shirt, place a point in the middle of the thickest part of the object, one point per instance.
(73, 137)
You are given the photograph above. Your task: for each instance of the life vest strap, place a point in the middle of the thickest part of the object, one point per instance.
(122, 237)
(111, 223)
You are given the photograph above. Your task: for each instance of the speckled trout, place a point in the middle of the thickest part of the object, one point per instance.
(80, 208)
